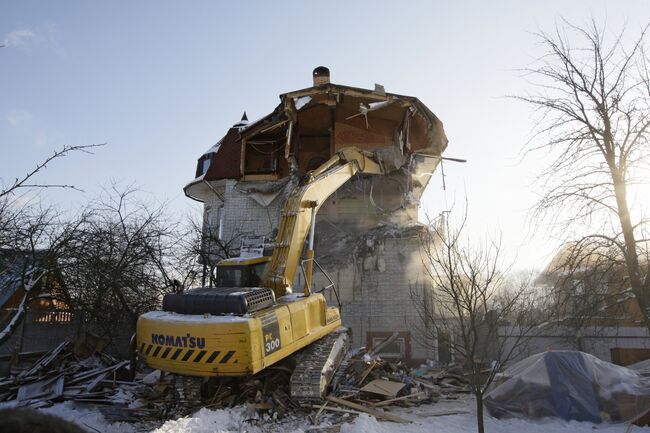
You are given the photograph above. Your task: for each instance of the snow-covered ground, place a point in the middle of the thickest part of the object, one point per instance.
(425, 420)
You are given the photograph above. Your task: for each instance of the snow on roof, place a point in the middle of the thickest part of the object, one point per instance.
(214, 148)
(13, 265)
(10, 282)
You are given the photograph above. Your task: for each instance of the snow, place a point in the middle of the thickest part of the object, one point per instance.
(89, 420)
(152, 378)
(208, 421)
(425, 420)
(467, 423)
(22, 308)
(290, 297)
(214, 148)
(168, 316)
(301, 102)
(240, 259)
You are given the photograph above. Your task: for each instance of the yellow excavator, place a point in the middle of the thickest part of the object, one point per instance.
(252, 319)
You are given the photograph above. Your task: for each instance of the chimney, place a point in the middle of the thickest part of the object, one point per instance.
(321, 76)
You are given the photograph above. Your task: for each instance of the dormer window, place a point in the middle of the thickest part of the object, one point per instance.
(205, 164)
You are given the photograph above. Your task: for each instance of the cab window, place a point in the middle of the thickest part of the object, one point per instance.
(230, 276)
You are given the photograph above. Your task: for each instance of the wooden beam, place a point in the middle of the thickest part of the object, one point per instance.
(377, 414)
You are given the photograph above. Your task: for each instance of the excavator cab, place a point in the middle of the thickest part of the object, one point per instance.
(241, 272)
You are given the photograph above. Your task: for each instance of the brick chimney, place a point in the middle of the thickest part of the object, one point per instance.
(321, 76)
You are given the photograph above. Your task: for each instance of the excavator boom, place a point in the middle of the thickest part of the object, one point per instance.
(302, 204)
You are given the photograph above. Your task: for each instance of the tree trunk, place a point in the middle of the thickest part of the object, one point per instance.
(479, 412)
(631, 256)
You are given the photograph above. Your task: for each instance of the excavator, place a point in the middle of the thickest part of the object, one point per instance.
(252, 319)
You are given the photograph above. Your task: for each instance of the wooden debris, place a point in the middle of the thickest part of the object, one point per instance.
(364, 385)
(316, 418)
(44, 361)
(60, 375)
(377, 414)
(393, 400)
(383, 387)
(334, 409)
(43, 389)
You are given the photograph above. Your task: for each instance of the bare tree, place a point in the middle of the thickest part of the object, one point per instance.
(25, 181)
(594, 105)
(206, 243)
(483, 317)
(120, 260)
(588, 291)
(31, 236)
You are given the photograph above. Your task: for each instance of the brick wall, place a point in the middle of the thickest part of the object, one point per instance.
(374, 286)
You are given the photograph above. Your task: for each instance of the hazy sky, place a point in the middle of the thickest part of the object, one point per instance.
(161, 81)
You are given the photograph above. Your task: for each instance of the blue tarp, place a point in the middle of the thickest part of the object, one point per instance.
(572, 386)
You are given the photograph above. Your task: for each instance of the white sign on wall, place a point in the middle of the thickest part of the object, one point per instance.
(252, 247)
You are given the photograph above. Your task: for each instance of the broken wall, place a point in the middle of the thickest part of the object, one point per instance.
(245, 209)
(375, 284)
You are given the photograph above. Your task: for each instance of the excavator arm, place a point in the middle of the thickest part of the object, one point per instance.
(300, 211)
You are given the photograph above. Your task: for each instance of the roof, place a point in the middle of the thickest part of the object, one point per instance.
(14, 264)
(225, 156)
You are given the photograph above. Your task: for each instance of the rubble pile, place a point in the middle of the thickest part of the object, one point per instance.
(266, 391)
(71, 372)
(365, 383)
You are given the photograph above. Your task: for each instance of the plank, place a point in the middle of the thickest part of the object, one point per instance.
(392, 400)
(377, 414)
(383, 387)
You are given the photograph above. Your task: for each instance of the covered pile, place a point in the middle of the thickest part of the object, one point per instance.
(572, 386)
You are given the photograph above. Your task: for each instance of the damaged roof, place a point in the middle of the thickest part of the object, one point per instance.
(311, 124)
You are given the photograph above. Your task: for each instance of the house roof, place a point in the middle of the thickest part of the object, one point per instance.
(223, 160)
(14, 264)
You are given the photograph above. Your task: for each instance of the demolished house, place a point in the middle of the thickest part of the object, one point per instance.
(368, 239)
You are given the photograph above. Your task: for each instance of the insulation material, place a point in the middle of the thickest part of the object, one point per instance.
(572, 386)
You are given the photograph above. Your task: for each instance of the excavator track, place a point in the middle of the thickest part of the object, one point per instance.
(317, 364)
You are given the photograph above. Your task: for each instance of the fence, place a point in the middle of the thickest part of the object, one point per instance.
(43, 330)
(598, 341)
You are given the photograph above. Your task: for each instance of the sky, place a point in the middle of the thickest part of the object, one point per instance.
(161, 81)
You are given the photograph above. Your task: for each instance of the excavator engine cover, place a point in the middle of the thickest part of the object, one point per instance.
(219, 300)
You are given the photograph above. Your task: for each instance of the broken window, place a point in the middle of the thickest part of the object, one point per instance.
(261, 158)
